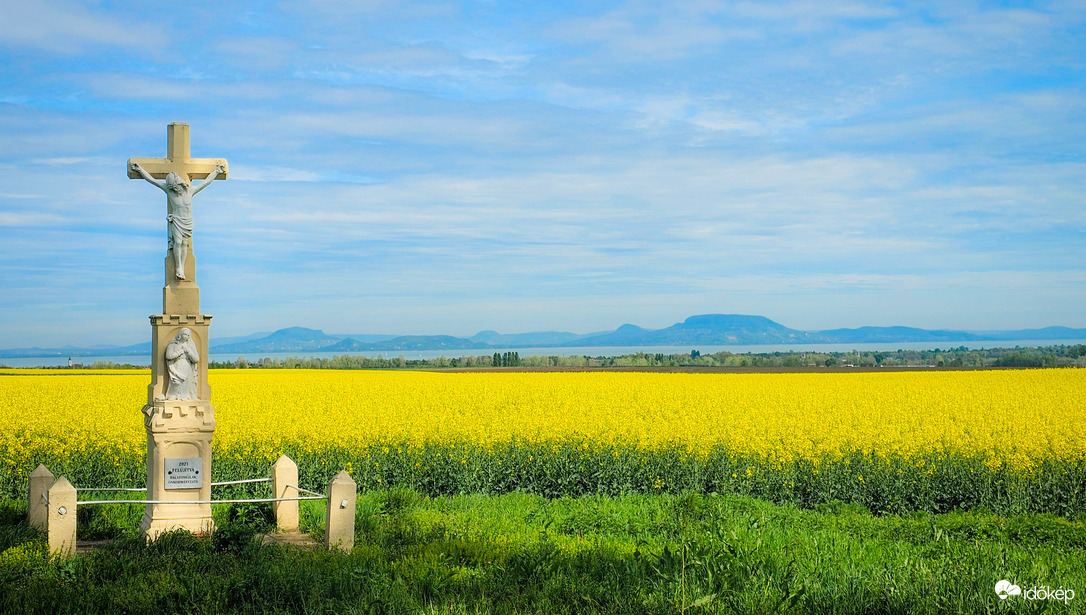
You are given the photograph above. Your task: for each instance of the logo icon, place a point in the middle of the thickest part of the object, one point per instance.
(1005, 588)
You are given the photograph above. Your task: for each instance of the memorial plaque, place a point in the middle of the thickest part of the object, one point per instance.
(183, 473)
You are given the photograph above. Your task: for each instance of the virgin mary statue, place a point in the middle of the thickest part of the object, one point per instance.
(182, 363)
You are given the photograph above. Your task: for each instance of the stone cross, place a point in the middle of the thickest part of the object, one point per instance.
(177, 159)
(178, 170)
(179, 417)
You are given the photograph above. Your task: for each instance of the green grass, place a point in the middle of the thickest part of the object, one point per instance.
(523, 553)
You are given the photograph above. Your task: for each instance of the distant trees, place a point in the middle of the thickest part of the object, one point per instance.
(1027, 359)
(508, 359)
(1047, 356)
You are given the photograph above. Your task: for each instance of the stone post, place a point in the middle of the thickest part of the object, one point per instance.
(41, 479)
(342, 494)
(284, 485)
(61, 519)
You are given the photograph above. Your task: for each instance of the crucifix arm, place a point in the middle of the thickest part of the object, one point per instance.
(137, 168)
(210, 178)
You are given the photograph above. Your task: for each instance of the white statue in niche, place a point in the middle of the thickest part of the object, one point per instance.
(182, 364)
(179, 219)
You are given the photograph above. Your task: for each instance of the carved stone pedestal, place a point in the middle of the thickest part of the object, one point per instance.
(178, 465)
(179, 433)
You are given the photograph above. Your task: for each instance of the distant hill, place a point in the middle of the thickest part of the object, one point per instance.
(426, 342)
(895, 334)
(299, 339)
(626, 335)
(523, 340)
(1047, 333)
(705, 330)
(284, 340)
(701, 330)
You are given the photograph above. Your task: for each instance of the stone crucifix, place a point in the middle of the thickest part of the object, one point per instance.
(173, 175)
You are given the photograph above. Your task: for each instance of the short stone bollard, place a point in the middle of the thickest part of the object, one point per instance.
(61, 518)
(284, 485)
(41, 479)
(342, 495)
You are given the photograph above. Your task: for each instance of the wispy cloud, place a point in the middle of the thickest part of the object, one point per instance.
(640, 31)
(59, 26)
(27, 219)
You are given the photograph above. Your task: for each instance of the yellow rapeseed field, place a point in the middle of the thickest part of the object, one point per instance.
(1015, 418)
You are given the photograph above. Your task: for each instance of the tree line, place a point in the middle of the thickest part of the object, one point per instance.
(960, 357)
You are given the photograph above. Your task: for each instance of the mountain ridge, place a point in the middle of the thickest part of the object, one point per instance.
(698, 330)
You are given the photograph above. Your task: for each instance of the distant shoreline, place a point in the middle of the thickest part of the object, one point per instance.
(768, 358)
(705, 333)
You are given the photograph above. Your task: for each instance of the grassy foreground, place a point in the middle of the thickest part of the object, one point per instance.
(521, 553)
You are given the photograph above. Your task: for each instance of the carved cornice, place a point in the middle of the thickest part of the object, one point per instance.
(179, 319)
(174, 415)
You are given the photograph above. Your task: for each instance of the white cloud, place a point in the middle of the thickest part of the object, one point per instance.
(640, 31)
(73, 160)
(971, 39)
(142, 87)
(58, 26)
(578, 97)
(509, 60)
(264, 52)
(341, 10)
(808, 11)
(420, 59)
(29, 219)
(272, 174)
(421, 127)
(660, 112)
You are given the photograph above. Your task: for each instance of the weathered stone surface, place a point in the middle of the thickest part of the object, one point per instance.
(285, 485)
(61, 520)
(342, 497)
(41, 479)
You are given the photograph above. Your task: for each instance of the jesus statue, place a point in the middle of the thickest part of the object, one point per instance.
(179, 218)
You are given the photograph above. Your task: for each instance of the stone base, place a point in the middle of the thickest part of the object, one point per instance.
(179, 436)
(191, 518)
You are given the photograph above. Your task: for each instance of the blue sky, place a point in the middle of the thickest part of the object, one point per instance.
(429, 167)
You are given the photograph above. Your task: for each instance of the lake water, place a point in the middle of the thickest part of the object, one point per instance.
(594, 351)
